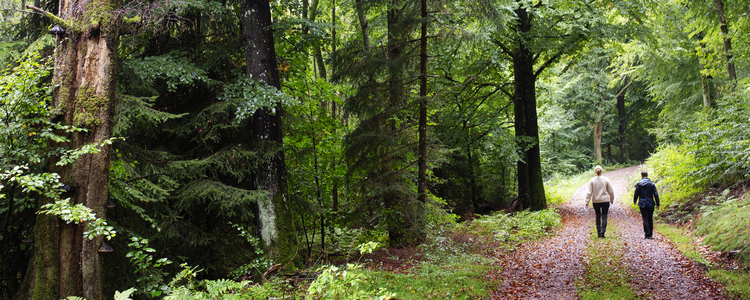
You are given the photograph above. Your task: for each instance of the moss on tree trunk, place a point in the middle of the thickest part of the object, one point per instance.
(64, 263)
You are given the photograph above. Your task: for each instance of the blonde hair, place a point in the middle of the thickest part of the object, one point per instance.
(598, 170)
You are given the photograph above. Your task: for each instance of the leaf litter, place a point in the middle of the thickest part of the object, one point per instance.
(549, 268)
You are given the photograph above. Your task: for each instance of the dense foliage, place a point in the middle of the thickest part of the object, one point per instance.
(517, 90)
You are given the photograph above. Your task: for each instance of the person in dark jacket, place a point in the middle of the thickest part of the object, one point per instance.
(647, 199)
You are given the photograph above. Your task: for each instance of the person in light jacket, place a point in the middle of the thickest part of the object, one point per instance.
(601, 195)
(647, 198)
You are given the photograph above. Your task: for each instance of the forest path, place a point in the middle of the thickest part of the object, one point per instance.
(548, 269)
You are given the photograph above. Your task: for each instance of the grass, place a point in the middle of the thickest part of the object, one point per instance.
(735, 282)
(604, 276)
(683, 240)
(559, 188)
(725, 226)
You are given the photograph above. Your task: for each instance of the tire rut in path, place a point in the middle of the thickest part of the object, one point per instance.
(548, 269)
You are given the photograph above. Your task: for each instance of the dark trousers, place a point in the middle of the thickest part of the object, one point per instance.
(648, 220)
(601, 210)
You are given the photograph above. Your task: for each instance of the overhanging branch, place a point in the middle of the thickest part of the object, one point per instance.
(53, 17)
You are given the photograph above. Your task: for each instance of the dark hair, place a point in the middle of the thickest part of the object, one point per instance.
(644, 174)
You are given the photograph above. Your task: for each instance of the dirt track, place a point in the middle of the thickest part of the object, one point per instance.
(548, 269)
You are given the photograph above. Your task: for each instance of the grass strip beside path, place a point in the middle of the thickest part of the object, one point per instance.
(735, 282)
(604, 275)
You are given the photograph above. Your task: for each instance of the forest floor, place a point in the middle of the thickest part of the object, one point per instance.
(554, 268)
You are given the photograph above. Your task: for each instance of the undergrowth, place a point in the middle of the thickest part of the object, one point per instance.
(507, 231)
(604, 275)
(726, 226)
(672, 170)
(451, 265)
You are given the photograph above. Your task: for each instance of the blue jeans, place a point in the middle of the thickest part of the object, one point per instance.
(601, 210)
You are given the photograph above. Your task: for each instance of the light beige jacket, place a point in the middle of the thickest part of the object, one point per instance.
(599, 190)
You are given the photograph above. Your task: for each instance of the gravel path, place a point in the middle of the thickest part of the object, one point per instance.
(548, 269)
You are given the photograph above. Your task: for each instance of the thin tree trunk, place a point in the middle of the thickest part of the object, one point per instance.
(727, 40)
(64, 263)
(422, 177)
(318, 53)
(361, 14)
(472, 180)
(624, 157)
(276, 220)
(706, 89)
(620, 103)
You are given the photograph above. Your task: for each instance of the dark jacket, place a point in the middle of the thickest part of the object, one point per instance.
(645, 191)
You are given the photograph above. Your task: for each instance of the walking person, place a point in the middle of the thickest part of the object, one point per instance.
(647, 198)
(601, 195)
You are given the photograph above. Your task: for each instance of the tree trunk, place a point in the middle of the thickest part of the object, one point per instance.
(530, 181)
(422, 177)
(363, 23)
(706, 88)
(624, 157)
(598, 128)
(275, 215)
(727, 40)
(472, 180)
(318, 53)
(64, 263)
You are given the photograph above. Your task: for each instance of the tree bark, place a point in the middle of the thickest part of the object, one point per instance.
(727, 40)
(422, 177)
(275, 215)
(624, 157)
(530, 181)
(598, 128)
(65, 263)
(363, 23)
(318, 53)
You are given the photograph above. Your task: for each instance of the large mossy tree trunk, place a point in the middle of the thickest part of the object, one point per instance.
(530, 181)
(276, 220)
(64, 263)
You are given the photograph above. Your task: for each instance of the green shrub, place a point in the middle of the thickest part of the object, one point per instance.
(345, 283)
(672, 171)
(184, 287)
(512, 229)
